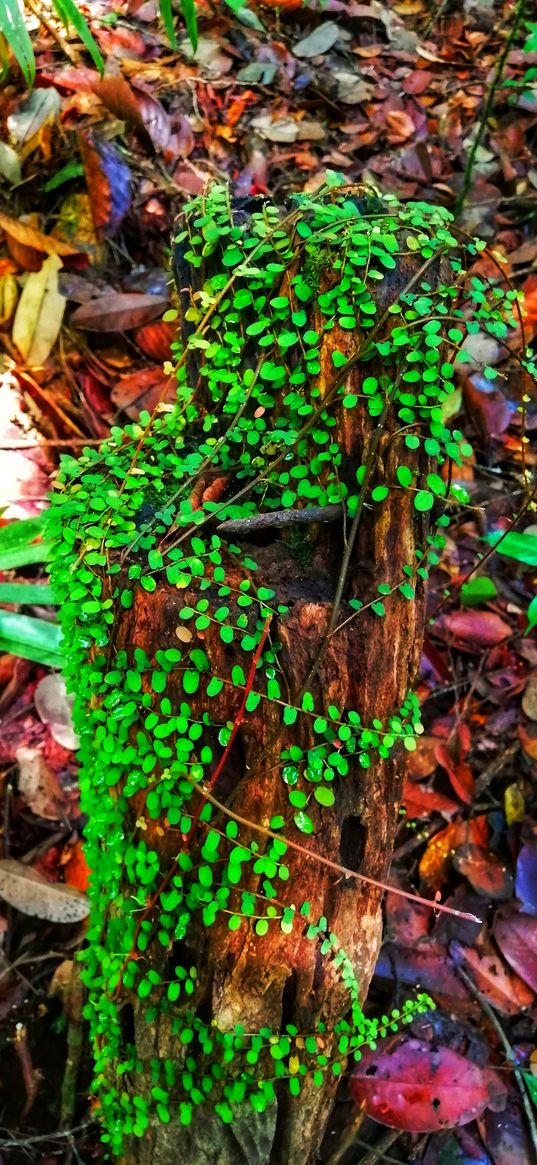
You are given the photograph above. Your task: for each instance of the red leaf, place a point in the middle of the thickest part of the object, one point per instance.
(459, 772)
(485, 872)
(516, 935)
(118, 312)
(143, 390)
(137, 108)
(420, 801)
(438, 856)
(155, 339)
(505, 991)
(108, 183)
(410, 1085)
(473, 630)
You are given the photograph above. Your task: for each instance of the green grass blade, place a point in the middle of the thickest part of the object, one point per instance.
(69, 14)
(188, 8)
(18, 38)
(166, 13)
(17, 543)
(30, 638)
(26, 593)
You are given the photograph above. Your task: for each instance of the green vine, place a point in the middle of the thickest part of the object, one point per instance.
(253, 435)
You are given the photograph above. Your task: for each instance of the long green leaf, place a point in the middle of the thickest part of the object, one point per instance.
(18, 546)
(30, 638)
(69, 14)
(26, 593)
(18, 38)
(166, 13)
(188, 8)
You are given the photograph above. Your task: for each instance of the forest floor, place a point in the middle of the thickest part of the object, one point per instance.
(405, 96)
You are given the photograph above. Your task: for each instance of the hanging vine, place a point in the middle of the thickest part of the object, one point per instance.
(257, 440)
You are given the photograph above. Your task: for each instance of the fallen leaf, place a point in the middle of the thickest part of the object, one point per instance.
(526, 877)
(414, 1086)
(54, 707)
(76, 871)
(32, 894)
(29, 237)
(118, 312)
(485, 872)
(287, 129)
(438, 856)
(38, 784)
(143, 390)
(155, 340)
(40, 108)
(505, 991)
(319, 41)
(459, 772)
(39, 314)
(108, 181)
(474, 630)
(516, 935)
(420, 801)
(137, 108)
(10, 164)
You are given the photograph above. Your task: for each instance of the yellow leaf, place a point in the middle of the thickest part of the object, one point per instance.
(39, 314)
(8, 297)
(515, 807)
(294, 1065)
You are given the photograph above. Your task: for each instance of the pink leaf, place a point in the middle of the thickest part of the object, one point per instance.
(516, 936)
(410, 1085)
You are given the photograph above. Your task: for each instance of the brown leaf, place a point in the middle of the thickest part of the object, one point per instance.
(143, 390)
(438, 856)
(118, 312)
(39, 785)
(137, 108)
(30, 237)
(30, 893)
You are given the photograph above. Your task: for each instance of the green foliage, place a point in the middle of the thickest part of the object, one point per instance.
(151, 732)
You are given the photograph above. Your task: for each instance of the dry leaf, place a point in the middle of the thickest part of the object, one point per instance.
(119, 312)
(39, 313)
(54, 707)
(30, 893)
(38, 784)
(30, 237)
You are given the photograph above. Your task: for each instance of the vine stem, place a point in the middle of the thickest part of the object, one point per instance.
(487, 108)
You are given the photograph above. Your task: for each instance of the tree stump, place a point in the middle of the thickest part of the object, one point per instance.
(243, 586)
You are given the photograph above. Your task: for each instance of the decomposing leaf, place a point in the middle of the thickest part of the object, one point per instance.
(119, 312)
(516, 935)
(38, 784)
(54, 707)
(287, 129)
(319, 41)
(32, 894)
(501, 988)
(41, 107)
(39, 313)
(418, 1087)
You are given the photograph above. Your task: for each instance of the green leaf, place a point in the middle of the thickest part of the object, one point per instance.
(17, 36)
(531, 615)
(18, 546)
(423, 500)
(70, 14)
(324, 795)
(522, 547)
(71, 170)
(188, 8)
(26, 593)
(30, 638)
(477, 591)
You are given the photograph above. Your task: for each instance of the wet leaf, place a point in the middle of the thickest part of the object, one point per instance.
(526, 877)
(485, 872)
(419, 1088)
(54, 707)
(39, 314)
(516, 935)
(30, 893)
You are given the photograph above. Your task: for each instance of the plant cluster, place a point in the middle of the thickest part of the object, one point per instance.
(259, 429)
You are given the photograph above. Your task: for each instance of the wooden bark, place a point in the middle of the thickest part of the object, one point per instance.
(369, 664)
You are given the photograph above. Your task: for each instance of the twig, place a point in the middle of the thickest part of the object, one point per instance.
(281, 518)
(313, 856)
(487, 108)
(517, 1072)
